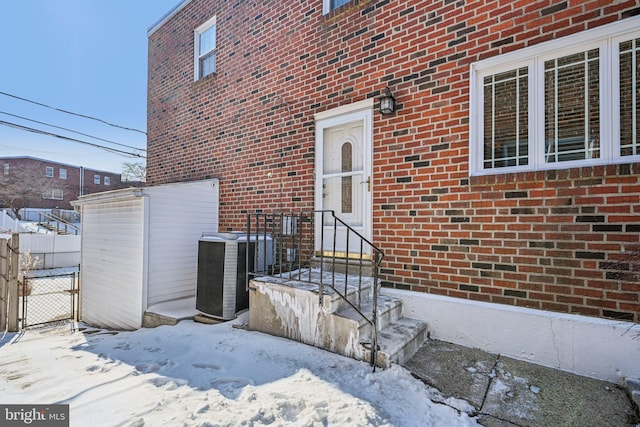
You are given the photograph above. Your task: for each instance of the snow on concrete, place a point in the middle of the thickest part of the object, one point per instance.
(204, 375)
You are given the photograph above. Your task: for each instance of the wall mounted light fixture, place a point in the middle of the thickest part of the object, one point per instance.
(387, 103)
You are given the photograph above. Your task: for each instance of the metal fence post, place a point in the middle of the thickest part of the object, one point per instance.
(14, 258)
(4, 283)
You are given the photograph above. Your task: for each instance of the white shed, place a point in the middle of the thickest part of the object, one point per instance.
(140, 248)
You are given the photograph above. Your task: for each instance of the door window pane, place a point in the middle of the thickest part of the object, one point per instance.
(347, 181)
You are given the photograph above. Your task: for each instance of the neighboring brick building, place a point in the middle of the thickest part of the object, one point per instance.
(59, 183)
(510, 172)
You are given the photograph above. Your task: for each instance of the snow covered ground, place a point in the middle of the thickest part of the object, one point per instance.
(193, 374)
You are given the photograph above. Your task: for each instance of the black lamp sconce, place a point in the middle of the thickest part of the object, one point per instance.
(387, 103)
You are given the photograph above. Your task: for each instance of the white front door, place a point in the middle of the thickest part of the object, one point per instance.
(343, 182)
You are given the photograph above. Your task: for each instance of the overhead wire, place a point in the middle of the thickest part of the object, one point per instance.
(72, 131)
(42, 132)
(72, 113)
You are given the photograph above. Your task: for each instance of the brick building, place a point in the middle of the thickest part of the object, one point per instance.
(59, 183)
(508, 173)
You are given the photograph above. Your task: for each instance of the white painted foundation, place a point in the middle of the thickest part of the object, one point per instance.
(597, 348)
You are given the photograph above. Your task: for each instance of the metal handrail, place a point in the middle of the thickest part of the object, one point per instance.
(50, 218)
(285, 246)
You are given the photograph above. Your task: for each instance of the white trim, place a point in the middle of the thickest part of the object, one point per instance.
(326, 6)
(344, 109)
(155, 27)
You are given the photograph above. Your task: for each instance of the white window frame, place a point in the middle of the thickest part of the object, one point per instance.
(607, 39)
(62, 173)
(107, 180)
(326, 6)
(96, 179)
(196, 47)
(6, 168)
(48, 171)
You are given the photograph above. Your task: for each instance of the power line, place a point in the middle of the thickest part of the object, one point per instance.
(72, 131)
(72, 113)
(55, 135)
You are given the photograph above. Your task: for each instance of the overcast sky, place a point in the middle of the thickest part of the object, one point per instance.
(84, 56)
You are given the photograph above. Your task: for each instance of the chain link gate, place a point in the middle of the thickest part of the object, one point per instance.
(48, 299)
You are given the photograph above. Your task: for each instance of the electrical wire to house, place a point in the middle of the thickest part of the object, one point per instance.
(42, 132)
(72, 113)
(136, 153)
(72, 131)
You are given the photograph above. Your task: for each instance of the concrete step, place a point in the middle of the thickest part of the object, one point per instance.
(389, 311)
(354, 266)
(398, 342)
(290, 308)
(358, 290)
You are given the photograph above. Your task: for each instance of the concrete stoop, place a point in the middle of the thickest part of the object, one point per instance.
(170, 312)
(291, 308)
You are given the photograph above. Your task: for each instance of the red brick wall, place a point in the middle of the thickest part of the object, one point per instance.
(70, 186)
(551, 240)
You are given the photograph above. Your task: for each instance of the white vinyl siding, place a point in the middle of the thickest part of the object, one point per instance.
(112, 268)
(174, 232)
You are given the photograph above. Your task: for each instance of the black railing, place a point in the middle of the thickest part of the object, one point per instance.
(55, 223)
(311, 247)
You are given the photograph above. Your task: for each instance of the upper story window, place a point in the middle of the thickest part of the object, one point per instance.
(96, 179)
(567, 103)
(48, 171)
(63, 173)
(205, 49)
(329, 5)
(107, 180)
(6, 168)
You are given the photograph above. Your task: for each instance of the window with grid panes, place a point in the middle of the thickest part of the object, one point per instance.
(562, 104)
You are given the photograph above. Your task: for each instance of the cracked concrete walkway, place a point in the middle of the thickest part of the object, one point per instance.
(505, 392)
